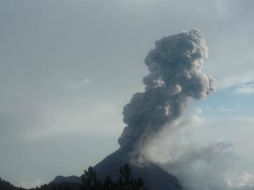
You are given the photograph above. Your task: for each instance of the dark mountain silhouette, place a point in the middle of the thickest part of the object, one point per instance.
(89, 181)
(125, 181)
(4, 185)
(155, 178)
(69, 179)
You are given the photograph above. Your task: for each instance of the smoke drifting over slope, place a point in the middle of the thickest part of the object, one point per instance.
(175, 66)
(207, 165)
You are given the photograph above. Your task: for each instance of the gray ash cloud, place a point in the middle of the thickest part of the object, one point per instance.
(175, 66)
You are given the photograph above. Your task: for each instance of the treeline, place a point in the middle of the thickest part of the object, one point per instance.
(91, 181)
(125, 181)
(5, 185)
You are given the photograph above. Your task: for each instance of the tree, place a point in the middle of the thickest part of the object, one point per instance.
(125, 181)
(90, 180)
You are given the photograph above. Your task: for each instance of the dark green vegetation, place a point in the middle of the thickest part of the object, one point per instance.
(91, 181)
(4, 185)
(124, 182)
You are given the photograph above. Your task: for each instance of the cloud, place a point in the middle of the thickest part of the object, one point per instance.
(79, 84)
(241, 180)
(76, 121)
(245, 119)
(246, 89)
(224, 109)
(231, 80)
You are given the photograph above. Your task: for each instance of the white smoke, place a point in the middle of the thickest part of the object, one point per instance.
(210, 166)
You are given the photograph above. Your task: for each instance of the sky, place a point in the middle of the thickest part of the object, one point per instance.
(68, 67)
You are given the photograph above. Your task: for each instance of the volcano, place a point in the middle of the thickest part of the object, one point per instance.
(175, 66)
(154, 177)
(175, 76)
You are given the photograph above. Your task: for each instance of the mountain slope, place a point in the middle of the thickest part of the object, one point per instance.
(155, 178)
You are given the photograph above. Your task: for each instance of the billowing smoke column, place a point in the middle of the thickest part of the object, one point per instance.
(175, 66)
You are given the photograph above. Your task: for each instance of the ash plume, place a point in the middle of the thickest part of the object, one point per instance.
(156, 142)
(176, 75)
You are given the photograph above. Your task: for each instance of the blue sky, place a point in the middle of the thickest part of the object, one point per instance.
(68, 67)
